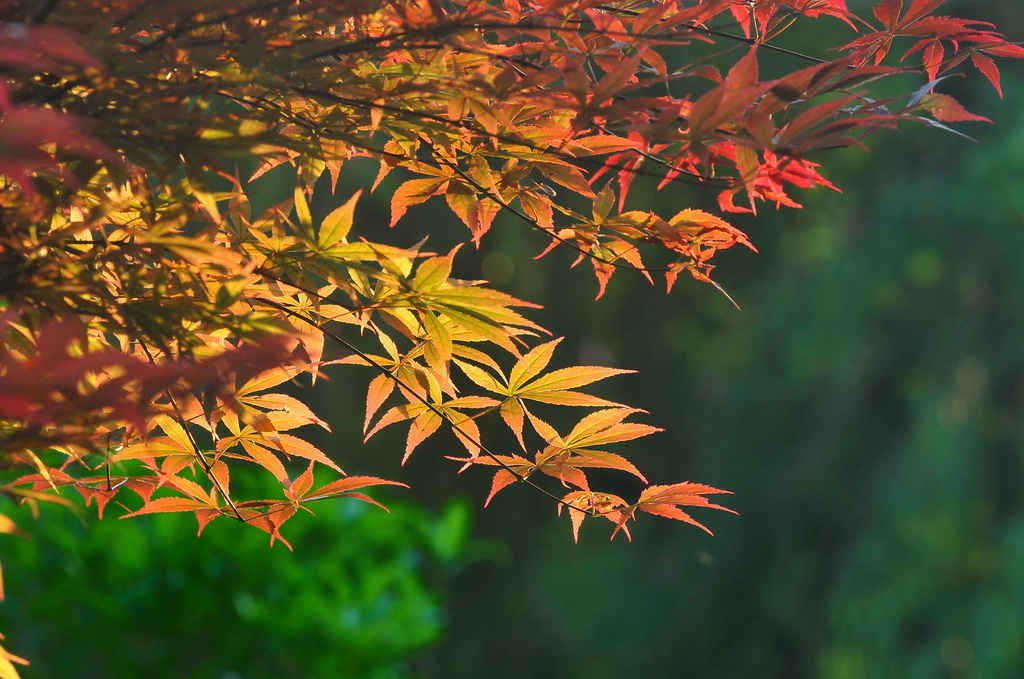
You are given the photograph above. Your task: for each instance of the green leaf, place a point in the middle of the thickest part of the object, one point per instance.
(303, 214)
(336, 225)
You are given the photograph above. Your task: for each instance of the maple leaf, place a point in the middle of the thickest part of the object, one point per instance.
(946, 109)
(565, 457)
(993, 45)
(918, 21)
(527, 382)
(263, 441)
(666, 500)
(302, 490)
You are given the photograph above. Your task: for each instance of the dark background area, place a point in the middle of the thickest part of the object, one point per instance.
(864, 407)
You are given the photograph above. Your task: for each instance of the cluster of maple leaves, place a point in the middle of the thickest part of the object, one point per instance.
(122, 127)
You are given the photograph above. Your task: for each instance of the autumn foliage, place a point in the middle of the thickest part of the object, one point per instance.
(153, 309)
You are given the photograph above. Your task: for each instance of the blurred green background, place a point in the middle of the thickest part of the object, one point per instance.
(864, 406)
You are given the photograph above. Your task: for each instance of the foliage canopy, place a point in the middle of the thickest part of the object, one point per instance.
(153, 313)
